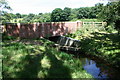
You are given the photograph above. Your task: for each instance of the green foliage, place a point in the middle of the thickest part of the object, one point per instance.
(31, 18)
(83, 13)
(73, 35)
(98, 7)
(101, 42)
(6, 37)
(110, 28)
(105, 45)
(111, 13)
(73, 15)
(67, 14)
(89, 12)
(28, 18)
(4, 16)
(4, 4)
(23, 60)
(45, 17)
(18, 15)
(86, 31)
(61, 15)
(55, 15)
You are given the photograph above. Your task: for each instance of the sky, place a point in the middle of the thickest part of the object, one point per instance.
(43, 6)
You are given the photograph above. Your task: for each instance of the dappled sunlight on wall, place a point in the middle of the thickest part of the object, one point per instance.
(38, 30)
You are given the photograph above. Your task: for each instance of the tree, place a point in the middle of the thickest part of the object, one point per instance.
(4, 5)
(18, 15)
(46, 17)
(42, 17)
(98, 7)
(83, 13)
(61, 15)
(92, 13)
(111, 14)
(28, 18)
(56, 15)
(4, 16)
(13, 16)
(23, 15)
(74, 13)
(66, 14)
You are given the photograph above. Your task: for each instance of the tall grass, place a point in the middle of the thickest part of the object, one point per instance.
(22, 60)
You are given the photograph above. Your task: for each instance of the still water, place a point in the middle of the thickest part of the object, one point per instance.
(99, 68)
(91, 67)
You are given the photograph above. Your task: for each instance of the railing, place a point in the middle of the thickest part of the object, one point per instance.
(94, 24)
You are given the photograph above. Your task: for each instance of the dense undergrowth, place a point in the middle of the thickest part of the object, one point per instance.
(101, 41)
(38, 59)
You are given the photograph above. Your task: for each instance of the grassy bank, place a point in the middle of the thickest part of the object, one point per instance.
(100, 42)
(38, 59)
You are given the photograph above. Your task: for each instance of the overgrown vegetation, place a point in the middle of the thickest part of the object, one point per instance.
(104, 41)
(4, 16)
(111, 14)
(38, 59)
(101, 41)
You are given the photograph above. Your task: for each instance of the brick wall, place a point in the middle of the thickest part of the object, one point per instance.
(38, 30)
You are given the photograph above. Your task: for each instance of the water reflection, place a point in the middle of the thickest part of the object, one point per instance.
(99, 68)
(90, 67)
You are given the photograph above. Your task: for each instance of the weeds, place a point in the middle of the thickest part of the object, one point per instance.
(27, 59)
(100, 41)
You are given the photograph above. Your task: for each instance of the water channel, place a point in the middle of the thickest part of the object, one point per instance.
(91, 67)
(95, 66)
(98, 68)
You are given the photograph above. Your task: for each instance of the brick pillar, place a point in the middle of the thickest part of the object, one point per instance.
(79, 24)
(18, 24)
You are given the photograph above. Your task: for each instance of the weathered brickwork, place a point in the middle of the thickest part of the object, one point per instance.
(38, 30)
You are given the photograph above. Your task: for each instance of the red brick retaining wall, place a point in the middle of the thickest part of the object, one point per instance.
(37, 30)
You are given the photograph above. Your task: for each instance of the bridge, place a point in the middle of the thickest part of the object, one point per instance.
(46, 29)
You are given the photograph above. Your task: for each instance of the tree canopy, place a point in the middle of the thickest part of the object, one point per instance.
(111, 14)
(61, 15)
(4, 16)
